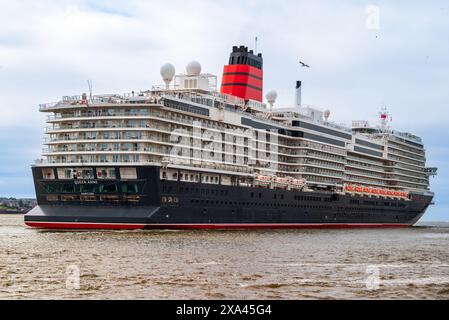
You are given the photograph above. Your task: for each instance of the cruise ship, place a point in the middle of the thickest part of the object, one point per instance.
(191, 154)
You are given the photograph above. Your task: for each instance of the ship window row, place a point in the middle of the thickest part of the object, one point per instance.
(88, 173)
(101, 124)
(366, 165)
(184, 136)
(106, 135)
(407, 173)
(410, 161)
(419, 151)
(321, 129)
(101, 113)
(155, 147)
(125, 188)
(314, 162)
(366, 173)
(123, 158)
(308, 198)
(319, 179)
(93, 198)
(174, 176)
(185, 107)
(414, 144)
(361, 210)
(377, 203)
(365, 180)
(311, 153)
(370, 144)
(368, 151)
(256, 204)
(406, 155)
(407, 179)
(312, 145)
(321, 171)
(198, 191)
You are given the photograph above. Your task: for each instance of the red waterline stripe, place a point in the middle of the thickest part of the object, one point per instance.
(77, 225)
(112, 226)
(275, 226)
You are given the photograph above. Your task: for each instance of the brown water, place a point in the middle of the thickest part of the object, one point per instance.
(293, 264)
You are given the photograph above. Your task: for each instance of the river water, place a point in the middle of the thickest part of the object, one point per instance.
(291, 264)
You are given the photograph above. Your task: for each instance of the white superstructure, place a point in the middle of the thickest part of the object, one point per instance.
(188, 124)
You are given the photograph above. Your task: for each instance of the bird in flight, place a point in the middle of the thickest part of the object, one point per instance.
(304, 65)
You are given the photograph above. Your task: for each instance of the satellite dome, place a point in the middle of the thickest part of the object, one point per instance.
(272, 96)
(168, 72)
(194, 68)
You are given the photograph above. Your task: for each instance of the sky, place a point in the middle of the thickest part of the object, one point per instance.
(363, 55)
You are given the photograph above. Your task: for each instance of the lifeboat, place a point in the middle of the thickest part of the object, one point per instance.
(298, 183)
(359, 189)
(367, 190)
(375, 191)
(390, 192)
(282, 180)
(263, 180)
(397, 194)
(383, 192)
(350, 188)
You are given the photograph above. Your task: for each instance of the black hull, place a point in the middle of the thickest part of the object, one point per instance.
(211, 206)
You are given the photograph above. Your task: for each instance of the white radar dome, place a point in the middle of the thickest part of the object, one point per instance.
(168, 72)
(194, 68)
(272, 96)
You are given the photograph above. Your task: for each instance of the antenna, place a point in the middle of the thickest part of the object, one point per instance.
(256, 46)
(89, 84)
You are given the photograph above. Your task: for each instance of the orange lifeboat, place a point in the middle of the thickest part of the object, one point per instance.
(375, 191)
(397, 194)
(383, 192)
(350, 188)
(390, 192)
(367, 190)
(359, 189)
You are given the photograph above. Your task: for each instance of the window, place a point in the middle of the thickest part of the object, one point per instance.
(108, 188)
(52, 198)
(105, 173)
(130, 188)
(48, 174)
(128, 173)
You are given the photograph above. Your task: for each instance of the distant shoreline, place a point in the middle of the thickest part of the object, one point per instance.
(12, 212)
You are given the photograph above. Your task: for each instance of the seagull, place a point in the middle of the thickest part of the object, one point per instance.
(304, 65)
